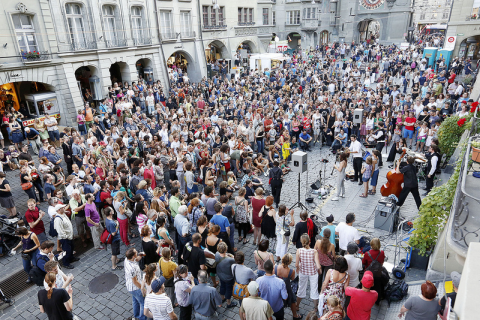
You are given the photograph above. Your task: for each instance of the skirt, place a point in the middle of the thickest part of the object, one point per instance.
(43, 135)
(7, 202)
(17, 137)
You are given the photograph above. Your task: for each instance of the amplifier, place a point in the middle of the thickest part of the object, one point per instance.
(386, 216)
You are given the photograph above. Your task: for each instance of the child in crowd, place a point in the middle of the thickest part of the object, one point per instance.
(225, 189)
(366, 174)
(232, 181)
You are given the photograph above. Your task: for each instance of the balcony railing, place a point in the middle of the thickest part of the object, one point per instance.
(216, 27)
(35, 56)
(116, 43)
(246, 23)
(83, 45)
(142, 41)
(168, 35)
(187, 34)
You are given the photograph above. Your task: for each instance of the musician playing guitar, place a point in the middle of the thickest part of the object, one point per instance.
(410, 182)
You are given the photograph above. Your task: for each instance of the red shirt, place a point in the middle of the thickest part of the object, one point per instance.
(411, 122)
(452, 78)
(361, 303)
(268, 124)
(148, 174)
(366, 258)
(201, 104)
(104, 195)
(31, 217)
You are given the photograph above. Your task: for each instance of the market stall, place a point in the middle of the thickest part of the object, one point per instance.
(263, 61)
(39, 104)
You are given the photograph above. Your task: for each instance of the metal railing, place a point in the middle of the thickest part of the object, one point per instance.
(246, 23)
(142, 41)
(83, 45)
(187, 34)
(35, 56)
(168, 35)
(115, 43)
(216, 27)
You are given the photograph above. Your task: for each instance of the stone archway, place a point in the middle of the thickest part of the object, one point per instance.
(248, 45)
(141, 65)
(216, 50)
(294, 40)
(324, 37)
(120, 72)
(369, 29)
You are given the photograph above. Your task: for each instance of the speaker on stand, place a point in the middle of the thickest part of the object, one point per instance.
(358, 116)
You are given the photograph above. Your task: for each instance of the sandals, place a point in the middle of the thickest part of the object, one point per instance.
(371, 193)
(240, 240)
(363, 195)
(245, 241)
(118, 268)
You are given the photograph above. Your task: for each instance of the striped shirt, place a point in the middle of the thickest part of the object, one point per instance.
(159, 305)
(132, 270)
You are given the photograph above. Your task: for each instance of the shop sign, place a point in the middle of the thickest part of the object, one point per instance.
(30, 122)
(459, 34)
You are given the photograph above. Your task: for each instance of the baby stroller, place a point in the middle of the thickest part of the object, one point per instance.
(8, 239)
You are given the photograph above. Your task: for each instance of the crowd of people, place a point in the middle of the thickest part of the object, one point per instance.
(180, 167)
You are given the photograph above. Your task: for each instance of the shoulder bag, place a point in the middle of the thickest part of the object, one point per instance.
(240, 291)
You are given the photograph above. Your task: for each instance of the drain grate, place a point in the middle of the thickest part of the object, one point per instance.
(103, 283)
(15, 284)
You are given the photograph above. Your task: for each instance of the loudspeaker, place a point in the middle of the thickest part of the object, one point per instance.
(386, 216)
(358, 116)
(299, 160)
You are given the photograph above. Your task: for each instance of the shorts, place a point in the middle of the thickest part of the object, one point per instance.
(408, 133)
(365, 179)
(115, 248)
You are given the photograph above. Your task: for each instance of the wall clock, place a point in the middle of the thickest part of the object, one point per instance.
(371, 4)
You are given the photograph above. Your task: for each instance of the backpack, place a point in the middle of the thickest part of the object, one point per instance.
(375, 267)
(36, 274)
(396, 291)
(52, 232)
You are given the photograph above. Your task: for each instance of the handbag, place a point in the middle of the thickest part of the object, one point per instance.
(321, 302)
(26, 186)
(240, 291)
(106, 237)
(286, 232)
(26, 256)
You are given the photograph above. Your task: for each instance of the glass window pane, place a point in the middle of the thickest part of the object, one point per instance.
(21, 42)
(16, 21)
(77, 9)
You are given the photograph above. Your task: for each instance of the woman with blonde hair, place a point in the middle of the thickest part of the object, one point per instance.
(308, 268)
(58, 305)
(335, 310)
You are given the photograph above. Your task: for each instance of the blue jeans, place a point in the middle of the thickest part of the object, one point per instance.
(67, 246)
(260, 145)
(151, 110)
(54, 135)
(198, 316)
(27, 264)
(137, 301)
(226, 288)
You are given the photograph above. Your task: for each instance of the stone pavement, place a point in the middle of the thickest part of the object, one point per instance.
(116, 304)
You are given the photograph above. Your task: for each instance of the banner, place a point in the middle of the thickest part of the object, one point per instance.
(281, 46)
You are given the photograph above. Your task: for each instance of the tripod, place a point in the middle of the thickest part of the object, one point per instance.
(299, 203)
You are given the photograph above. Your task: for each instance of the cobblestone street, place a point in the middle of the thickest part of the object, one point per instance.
(117, 304)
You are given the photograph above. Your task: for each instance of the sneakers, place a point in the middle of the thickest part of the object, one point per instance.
(335, 199)
(233, 304)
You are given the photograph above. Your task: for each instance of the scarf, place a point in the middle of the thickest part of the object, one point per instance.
(310, 229)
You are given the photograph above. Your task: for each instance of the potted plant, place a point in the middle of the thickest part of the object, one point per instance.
(476, 151)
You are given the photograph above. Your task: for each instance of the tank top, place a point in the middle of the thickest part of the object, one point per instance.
(28, 243)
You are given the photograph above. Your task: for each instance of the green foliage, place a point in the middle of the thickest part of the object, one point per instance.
(450, 132)
(435, 209)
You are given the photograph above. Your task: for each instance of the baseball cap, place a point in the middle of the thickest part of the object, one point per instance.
(330, 218)
(158, 283)
(59, 206)
(455, 278)
(253, 288)
(367, 280)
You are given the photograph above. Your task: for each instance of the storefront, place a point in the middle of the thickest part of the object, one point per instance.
(178, 60)
(271, 61)
(32, 99)
(470, 48)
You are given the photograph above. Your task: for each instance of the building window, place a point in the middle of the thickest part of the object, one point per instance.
(309, 13)
(27, 41)
(186, 21)
(274, 18)
(109, 22)
(213, 17)
(137, 28)
(265, 16)
(446, 14)
(221, 21)
(434, 15)
(76, 24)
(422, 16)
(245, 16)
(240, 15)
(293, 17)
(250, 15)
(166, 30)
(205, 15)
